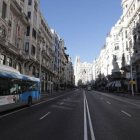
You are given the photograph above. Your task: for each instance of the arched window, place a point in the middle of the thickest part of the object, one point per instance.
(18, 67)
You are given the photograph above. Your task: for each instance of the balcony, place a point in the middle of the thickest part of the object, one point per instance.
(15, 7)
(116, 70)
(33, 57)
(12, 48)
(46, 54)
(42, 29)
(24, 19)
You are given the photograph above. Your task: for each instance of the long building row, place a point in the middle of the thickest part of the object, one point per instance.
(29, 45)
(112, 67)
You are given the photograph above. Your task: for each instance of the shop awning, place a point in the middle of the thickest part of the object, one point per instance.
(109, 84)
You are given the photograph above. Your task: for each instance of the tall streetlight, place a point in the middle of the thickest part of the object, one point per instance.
(41, 49)
(131, 71)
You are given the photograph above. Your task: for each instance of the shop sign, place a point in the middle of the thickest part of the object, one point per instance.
(127, 74)
(132, 82)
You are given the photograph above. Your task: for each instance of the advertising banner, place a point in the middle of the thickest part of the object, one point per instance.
(4, 100)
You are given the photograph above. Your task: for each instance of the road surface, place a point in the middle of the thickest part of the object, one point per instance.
(76, 115)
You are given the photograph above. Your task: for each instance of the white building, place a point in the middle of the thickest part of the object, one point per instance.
(123, 40)
(82, 72)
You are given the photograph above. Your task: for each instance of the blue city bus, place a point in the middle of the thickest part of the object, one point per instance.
(17, 90)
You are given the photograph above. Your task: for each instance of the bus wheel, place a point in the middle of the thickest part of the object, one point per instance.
(29, 101)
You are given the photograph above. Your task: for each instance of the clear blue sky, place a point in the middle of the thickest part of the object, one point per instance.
(83, 24)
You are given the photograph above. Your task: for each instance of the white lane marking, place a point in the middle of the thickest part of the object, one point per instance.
(90, 123)
(44, 115)
(68, 98)
(85, 119)
(35, 104)
(101, 98)
(12, 113)
(61, 103)
(120, 99)
(108, 102)
(126, 113)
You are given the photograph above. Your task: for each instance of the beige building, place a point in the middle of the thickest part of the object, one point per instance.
(26, 41)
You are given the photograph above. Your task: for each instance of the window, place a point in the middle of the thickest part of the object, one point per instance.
(2, 59)
(135, 37)
(29, 2)
(27, 47)
(34, 33)
(127, 57)
(115, 58)
(9, 61)
(35, 6)
(116, 47)
(46, 76)
(13, 86)
(33, 70)
(33, 50)
(49, 78)
(28, 31)
(126, 34)
(19, 32)
(31, 86)
(4, 86)
(29, 15)
(4, 10)
(18, 67)
(116, 37)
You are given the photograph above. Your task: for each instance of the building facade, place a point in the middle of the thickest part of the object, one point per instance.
(122, 48)
(82, 72)
(27, 42)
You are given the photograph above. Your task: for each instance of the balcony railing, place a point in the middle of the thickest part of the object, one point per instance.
(24, 15)
(17, 5)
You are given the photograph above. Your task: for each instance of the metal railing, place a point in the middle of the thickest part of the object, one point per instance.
(17, 5)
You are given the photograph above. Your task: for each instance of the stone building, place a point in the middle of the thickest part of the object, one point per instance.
(26, 41)
(82, 72)
(122, 48)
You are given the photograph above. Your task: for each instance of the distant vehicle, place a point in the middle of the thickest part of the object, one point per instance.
(16, 89)
(89, 87)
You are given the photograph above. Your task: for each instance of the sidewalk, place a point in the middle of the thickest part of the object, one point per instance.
(136, 96)
(126, 95)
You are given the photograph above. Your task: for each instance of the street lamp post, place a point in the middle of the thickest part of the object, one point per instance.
(131, 72)
(41, 48)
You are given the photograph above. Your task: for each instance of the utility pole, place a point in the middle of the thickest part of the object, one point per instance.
(131, 72)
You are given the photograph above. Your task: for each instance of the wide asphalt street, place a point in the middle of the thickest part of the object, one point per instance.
(75, 115)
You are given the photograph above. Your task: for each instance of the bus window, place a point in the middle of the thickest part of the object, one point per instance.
(21, 86)
(35, 86)
(13, 85)
(4, 90)
(32, 86)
